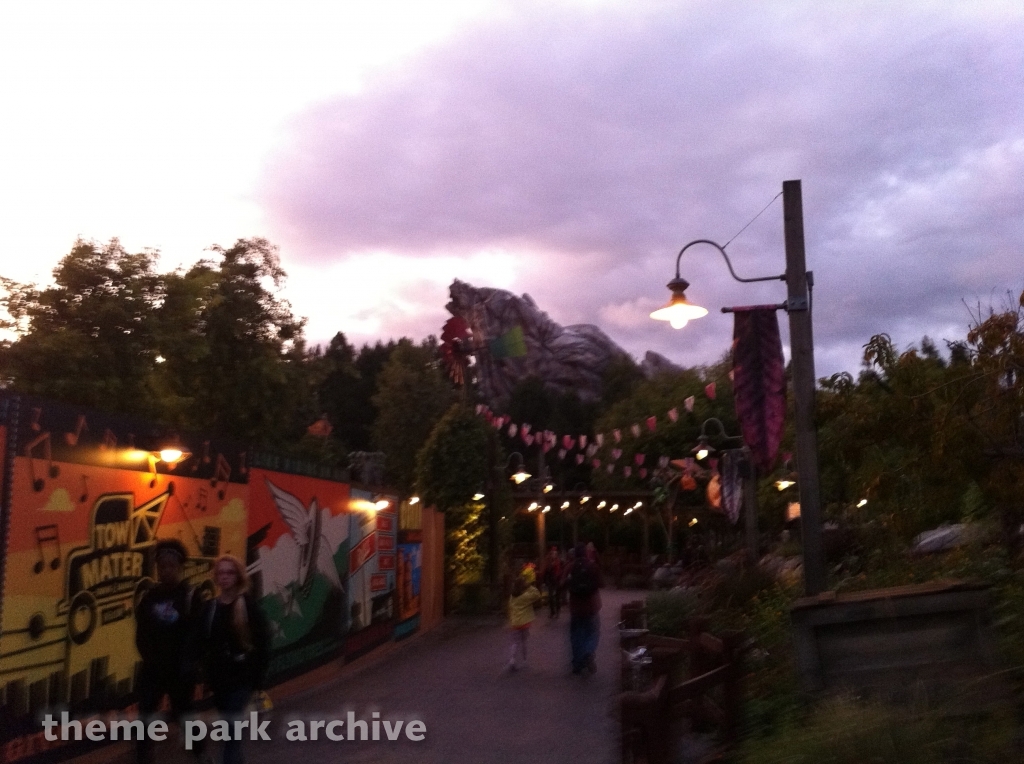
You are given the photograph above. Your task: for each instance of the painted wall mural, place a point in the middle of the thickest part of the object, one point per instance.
(84, 499)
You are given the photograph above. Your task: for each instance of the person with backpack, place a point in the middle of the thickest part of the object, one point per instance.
(583, 582)
(164, 619)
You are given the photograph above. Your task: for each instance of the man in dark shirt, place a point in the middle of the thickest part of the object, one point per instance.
(163, 621)
(583, 580)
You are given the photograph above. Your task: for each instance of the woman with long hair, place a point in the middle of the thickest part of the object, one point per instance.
(234, 641)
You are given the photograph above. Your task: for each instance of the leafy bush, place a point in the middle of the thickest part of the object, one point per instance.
(668, 612)
(845, 732)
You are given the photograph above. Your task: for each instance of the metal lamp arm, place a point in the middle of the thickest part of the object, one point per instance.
(727, 262)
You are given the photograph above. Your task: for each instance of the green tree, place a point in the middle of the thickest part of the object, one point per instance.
(90, 338)
(413, 393)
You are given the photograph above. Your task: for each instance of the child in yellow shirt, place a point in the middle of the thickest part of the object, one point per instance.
(520, 616)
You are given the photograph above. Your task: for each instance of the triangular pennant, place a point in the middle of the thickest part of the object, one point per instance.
(525, 427)
(561, 453)
(583, 441)
(663, 462)
(599, 439)
(610, 468)
(673, 415)
(652, 423)
(527, 439)
(639, 459)
(596, 463)
(617, 434)
(580, 458)
(479, 409)
(709, 391)
(642, 473)
(591, 449)
(688, 403)
(568, 442)
(616, 453)
(627, 470)
(635, 429)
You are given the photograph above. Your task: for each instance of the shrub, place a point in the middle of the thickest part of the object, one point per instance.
(668, 612)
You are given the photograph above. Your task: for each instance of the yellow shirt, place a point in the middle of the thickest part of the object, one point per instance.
(520, 609)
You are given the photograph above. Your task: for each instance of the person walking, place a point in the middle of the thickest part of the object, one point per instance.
(163, 621)
(583, 581)
(234, 641)
(553, 582)
(520, 616)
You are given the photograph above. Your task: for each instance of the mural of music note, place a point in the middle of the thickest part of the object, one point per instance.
(53, 470)
(221, 473)
(47, 534)
(71, 438)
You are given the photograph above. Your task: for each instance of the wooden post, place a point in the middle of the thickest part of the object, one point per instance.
(801, 340)
(750, 508)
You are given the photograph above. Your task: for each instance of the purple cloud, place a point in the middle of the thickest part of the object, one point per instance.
(597, 143)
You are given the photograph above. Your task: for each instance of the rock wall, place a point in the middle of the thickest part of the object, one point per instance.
(566, 358)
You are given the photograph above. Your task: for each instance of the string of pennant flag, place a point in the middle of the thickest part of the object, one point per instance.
(586, 447)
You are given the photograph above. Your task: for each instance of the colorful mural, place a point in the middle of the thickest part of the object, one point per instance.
(85, 497)
(299, 564)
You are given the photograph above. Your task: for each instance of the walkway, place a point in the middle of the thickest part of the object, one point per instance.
(451, 679)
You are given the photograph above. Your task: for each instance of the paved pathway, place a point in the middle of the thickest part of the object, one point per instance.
(452, 680)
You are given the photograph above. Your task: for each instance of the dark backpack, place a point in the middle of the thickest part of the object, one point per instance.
(582, 581)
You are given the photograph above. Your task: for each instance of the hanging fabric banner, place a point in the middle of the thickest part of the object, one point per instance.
(760, 383)
(732, 485)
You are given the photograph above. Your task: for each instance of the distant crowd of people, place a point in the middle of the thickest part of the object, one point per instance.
(577, 576)
(180, 638)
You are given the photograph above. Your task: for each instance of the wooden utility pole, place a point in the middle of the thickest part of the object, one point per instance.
(801, 340)
(750, 506)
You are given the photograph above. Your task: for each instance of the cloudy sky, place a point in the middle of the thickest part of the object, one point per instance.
(562, 149)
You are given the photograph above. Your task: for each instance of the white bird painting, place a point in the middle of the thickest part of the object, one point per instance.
(306, 525)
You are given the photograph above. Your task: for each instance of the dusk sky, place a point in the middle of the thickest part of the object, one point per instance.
(562, 149)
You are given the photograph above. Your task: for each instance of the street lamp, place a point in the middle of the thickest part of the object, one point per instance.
(798, 280)
(520, 476)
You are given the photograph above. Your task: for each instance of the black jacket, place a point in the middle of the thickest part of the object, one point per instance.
(164, 619)
(231, 664)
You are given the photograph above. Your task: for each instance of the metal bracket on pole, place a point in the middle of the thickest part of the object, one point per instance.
(796, 303)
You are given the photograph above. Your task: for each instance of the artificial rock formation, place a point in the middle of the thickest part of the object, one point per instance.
(566, 358)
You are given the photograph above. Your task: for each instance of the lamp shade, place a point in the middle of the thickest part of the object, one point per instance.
(678, 311)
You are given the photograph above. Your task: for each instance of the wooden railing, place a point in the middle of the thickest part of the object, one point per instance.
(697, 679)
